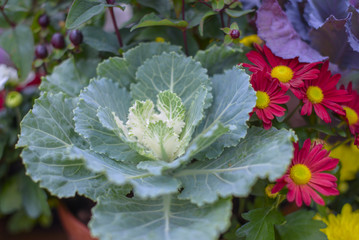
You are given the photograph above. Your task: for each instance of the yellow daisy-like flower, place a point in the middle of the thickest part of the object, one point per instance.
(344, 226)
(249, 40)
(349, 159)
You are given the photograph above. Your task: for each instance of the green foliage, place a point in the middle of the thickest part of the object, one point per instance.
(261, 224)
(19, 43)
(152, 20)
(82, 11)
(303, 220)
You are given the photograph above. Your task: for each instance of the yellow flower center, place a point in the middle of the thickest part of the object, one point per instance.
(300, 174)
(263, 100)
(315, 94)
(283, 73)
(351, 115)
(268, 191)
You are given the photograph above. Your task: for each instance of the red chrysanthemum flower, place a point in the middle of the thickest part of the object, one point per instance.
(351, 109)
(289, 72)
(269, 95)
(305, 175)
(322, 93)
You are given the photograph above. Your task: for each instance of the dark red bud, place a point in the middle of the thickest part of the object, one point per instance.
(41, 52)
(58, 41)
(234, 33)
(44, 20)
(76, 37)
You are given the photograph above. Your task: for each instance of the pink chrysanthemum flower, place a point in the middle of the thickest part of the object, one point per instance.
(305, 175)
(269, 95)
(289, 72)
(351, 109)
(322, 93)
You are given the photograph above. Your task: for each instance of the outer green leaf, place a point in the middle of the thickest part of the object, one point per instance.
(236, 14)
(19, 44)
(10, 196)
(82, 11)
(261, 224)
(48, 137)
(151, 20)
(219, 58)
(217, 4)
(170, 71)
(59, 158)
(69, 77)
(260, 154)
(167, 218)
(124, 70)
(233, 100)
(100, 40)
(103, 93)
(301, 226)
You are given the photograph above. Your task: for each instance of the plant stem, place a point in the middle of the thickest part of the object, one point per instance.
(115, 25)
(184, 31)
(7, 19)
(205, 3)
(222, 19)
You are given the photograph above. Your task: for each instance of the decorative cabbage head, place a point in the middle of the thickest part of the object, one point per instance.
(152, 122)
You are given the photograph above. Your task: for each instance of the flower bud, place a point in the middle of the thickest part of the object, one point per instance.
(13, 99)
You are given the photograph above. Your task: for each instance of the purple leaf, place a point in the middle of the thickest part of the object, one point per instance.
(352, 28)
(275, 28)
(331, 40)
(317, 11)
(294, 11)
(354, 3)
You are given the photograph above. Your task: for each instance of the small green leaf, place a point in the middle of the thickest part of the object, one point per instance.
(19, 44)
(82, 11)
(236, 14)
(217, 4)
(116, 217)
(303, 220)
(151, 20)
(34, 198)
(201, 24)
(10, 195)
(219, 58)
(234, 26)
(261, 224)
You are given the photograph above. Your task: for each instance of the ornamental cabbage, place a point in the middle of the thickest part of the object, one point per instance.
(154, 123)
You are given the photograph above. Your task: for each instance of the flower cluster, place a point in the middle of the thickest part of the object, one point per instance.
(312, 83)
